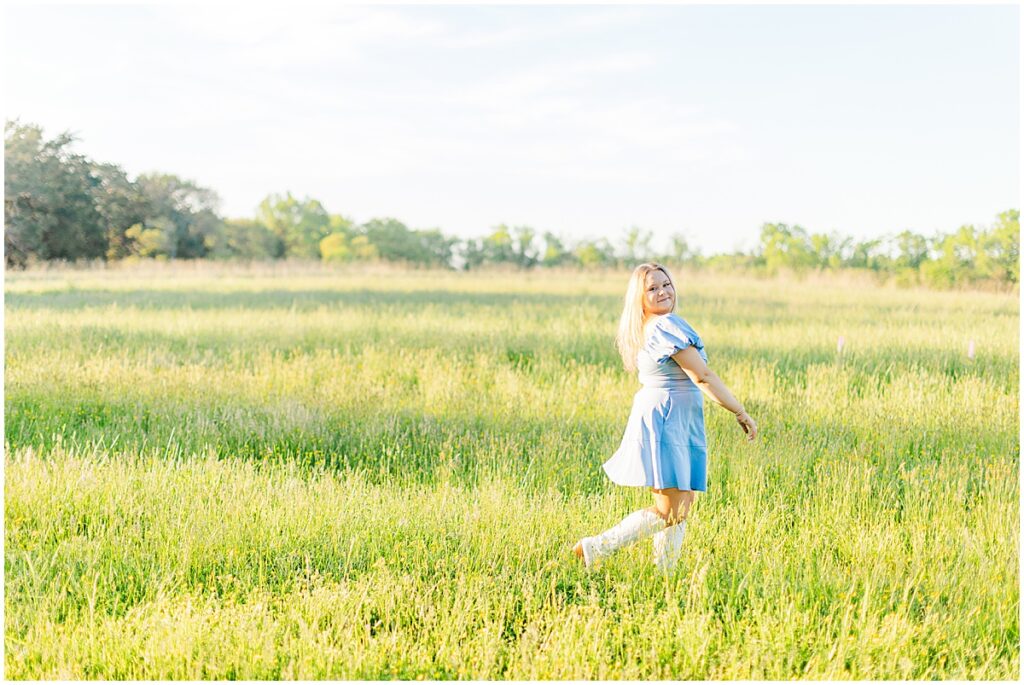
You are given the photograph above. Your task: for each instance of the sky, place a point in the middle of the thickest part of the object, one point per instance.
(582, 120)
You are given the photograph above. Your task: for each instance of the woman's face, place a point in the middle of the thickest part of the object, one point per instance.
(659, 295)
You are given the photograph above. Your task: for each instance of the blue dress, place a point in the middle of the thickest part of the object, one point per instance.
(664, 445)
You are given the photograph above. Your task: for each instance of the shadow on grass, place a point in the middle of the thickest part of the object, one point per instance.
(418, 447)
(298, 300)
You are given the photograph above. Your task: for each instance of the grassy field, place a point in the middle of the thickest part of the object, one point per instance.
(294, 472)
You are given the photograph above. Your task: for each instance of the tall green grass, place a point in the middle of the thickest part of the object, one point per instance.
(304, 473)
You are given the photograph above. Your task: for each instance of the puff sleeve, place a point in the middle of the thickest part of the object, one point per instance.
(670, 335)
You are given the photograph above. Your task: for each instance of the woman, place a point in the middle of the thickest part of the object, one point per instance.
(664, 446)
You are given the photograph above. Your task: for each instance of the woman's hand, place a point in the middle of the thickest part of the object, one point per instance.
(747, 424)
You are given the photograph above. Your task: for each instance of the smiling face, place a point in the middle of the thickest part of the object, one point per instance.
(659, 294)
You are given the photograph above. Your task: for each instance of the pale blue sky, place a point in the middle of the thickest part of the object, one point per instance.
(582, 120)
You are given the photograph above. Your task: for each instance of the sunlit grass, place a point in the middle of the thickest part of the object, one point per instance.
(295, 472)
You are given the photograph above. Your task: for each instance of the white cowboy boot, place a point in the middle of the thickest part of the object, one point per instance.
(637, 525)
(667, 545)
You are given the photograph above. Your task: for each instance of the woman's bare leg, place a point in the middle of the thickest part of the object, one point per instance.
(672, 504)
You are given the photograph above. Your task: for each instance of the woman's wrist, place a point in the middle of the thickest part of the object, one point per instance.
(740, 411)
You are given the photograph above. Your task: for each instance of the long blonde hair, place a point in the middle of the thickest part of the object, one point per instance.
(629, 339)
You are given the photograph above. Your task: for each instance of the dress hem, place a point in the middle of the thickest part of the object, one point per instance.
(651, 485)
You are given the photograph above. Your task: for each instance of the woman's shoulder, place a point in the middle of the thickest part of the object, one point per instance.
(655, 322)
(668, 321)
(673, 326)
(669, 333)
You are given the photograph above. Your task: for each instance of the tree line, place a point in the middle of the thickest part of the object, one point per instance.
(60, 205)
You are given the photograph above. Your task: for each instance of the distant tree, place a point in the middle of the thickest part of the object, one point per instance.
(961, 249)
(828, 250)
(970, 255)
(784, 246)
(524, 249)
(471, 252)
(363, 249)
(867, 254)
(335, 248)
(394, 241)
(636, 245)
(1001, 245)
(392, 238)
(437, 248)
(300, 225)
(595, 253)
(244, 239)
(734, 261)
(341, 224)
(911, 250)
(680, 251)
(183, 211)
(48, 210)
(121, 205)
(154, 239)
(498, 246)
(954, 260)
(554, 252)
(344, 243)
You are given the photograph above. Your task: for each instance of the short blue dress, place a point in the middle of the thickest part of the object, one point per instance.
(664, 445)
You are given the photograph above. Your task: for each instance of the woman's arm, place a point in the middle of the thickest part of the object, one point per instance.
(690, 361)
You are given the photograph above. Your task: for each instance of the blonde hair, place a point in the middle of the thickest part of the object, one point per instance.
(629, 339)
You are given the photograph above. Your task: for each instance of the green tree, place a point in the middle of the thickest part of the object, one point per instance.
(734, 261)
(554, 252)
(636, 245)
(1001, 246)
(911, 250)
(49, 212)
(828, 249)
(784, 246)
(363, 249)
(244, 239)
(955, 258)
(184, 211)
(341, 224)
(121, 205)
(436, 248)
(395, 241)
(590, 253)
(472, 252)
(499, 247)
(335, 248)
(152, 240)
(524, 248)
(867, 254)
(680, 251)
(300, 225)
(337, 245)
